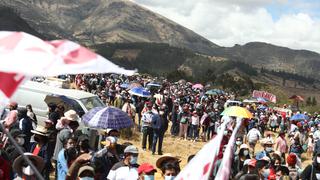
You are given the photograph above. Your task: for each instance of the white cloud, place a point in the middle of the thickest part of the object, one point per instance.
(229, 22)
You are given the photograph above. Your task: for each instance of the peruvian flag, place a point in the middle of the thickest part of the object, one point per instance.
(26, 54)
(200, 167)
(9, 82)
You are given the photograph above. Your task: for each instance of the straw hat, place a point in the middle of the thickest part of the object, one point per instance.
(266, 141)
(18, 163)
(40, 130)
(71, 115)
(166, 157)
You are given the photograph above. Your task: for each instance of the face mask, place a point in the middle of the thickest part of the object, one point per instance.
(169, 177)
(238, 143)
(20, 141)
(87, 178)
(27, 171)
(133, 160)
(269, 149)
(318, 160)
(245, 152)
(225, 133)
(148, 177)
(266, 173)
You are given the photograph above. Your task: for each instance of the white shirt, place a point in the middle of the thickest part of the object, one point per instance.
(195, 120)
(253, 135)
(122, 172)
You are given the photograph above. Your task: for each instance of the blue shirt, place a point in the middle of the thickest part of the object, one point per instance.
(62, 166)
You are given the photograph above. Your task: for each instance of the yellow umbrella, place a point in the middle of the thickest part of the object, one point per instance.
(237, 111)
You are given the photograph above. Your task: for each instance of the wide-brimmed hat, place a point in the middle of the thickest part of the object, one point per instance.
(165, 158)
(71, 115)
(37, 161)
(266, 141)
(40, 130)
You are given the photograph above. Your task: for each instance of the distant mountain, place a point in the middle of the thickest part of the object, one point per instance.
(268, 56)
(100, 21)
(125, 30)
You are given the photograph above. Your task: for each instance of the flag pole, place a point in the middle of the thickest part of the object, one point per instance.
(13, 141)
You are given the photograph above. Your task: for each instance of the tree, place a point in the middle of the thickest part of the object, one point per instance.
(309, 101)
(314, 101)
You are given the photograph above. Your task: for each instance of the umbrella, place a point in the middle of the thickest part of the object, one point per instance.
(139, 91)
(107, 118)
(211, 92)
(134, 85)
(197, 86)
(237, 112)
(299, 117)
(124, 85)
(154, 84)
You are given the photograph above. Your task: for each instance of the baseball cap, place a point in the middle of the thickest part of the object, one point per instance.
(131, 149)
(146, 168)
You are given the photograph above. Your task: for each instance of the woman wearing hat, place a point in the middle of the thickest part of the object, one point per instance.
(40, 148)
(240, 158)
(169, 166)
(24, 170)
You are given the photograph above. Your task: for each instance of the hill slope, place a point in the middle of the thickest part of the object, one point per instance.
(100, 21)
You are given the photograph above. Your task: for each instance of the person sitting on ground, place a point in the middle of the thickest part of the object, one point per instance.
(146, 171)
(24, 170)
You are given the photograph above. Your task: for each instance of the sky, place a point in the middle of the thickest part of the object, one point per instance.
(290, 23)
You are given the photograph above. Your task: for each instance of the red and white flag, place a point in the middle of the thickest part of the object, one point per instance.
(200, 167)
(28, 55)
(225, 166)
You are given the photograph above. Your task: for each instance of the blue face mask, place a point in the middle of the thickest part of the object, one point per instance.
(148, 177)
(86, 178)
(133, 160)
(169, 177)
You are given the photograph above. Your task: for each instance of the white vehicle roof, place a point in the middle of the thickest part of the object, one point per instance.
(76, 94)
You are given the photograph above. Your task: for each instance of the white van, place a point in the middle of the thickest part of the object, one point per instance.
(232, 103)
(39, 94)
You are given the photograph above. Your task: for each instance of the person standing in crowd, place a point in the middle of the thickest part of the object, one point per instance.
(169, 166)
(294, 171)
(128, 167)
(40, 148)
(195, 126)
(267, 148)
(281, 145)
(65, 158)
(147, 130)
(310, 144)
(107, 157)
(158, 134)
(12, 116)
(10, 149)
(241, 158)
(54, 112)
(253, 136)
(184, 117)
(296, 147)
(24, 170)
(146, 172)
(174, 120)
(130, 109)
(312, 171)
(32, 115)
(25, 125)
(69, 124)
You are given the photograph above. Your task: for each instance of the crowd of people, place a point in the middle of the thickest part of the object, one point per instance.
(62, 151)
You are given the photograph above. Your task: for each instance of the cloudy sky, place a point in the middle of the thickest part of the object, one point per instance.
(291, 23)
